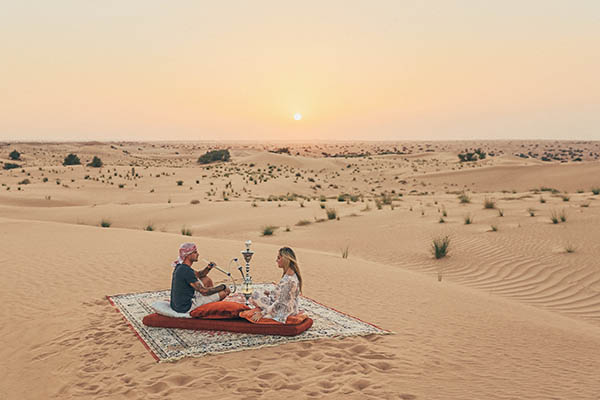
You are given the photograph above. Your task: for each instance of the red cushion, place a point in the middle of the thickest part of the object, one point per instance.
(219, 310)
(230, 325)
(291, 320)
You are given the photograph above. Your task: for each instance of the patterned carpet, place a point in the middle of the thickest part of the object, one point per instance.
(167, 344)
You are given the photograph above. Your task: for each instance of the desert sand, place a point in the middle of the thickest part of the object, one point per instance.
(511, 312)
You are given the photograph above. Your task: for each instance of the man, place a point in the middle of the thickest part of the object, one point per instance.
(189, 288)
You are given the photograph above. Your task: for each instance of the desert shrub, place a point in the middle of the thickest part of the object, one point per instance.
(565, 197)
(468, 219)
(439, 247)
(494, 228)
(331, 213)
(569, 248)
(14, 155)
(442, 220)
(25, 182)
(342, 197)
(563, 216)
(531, 212)
(149, 227)
(464, 198)
(542, 199)
(268, 230)
(213, 156)
(72, 159)
(105, 223)
(195, 201)
(179, 183)
(185, 231)
(596, 190)
(322, 206)
(554, 217)
(489, 203)
(96, 162)
(500, 212)
(345, 251)
(45, 179)
(303, 222)
(378, 204)
(121, 185)
(11, 166)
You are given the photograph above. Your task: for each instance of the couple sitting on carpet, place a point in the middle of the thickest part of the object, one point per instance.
(191, 289)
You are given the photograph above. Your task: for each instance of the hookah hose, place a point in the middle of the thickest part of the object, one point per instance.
(225, 272)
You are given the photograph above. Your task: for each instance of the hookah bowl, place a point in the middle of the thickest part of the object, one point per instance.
(247, 284)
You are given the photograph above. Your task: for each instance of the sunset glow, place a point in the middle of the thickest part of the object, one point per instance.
(390, 71)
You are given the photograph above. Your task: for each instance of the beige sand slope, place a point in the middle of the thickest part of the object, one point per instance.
(507, 314)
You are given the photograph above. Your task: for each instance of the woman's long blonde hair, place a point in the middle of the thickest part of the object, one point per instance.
(292, 262)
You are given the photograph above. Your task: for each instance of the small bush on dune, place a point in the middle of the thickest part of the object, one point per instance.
(213, 156)
(11, 166)
(596, 190)
(331, 213)
(345, 251)
(464, 198)
(489, 203)
(531, 212)
(303, 222)
(195, 201)
(186, 232)
(95, 163)
(149, 227)
(72, 159)
(468, 219)
(268, 230)
(14, 155)
(563, 216)
(439, 247)
(105, 223)
(500, 212)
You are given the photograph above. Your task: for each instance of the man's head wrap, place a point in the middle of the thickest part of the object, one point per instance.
(184, 250)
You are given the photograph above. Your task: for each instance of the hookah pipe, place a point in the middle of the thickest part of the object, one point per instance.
(226, 273)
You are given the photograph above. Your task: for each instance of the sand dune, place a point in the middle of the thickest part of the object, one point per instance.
(508, 313)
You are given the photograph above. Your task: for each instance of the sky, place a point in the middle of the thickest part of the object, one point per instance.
(354, 70)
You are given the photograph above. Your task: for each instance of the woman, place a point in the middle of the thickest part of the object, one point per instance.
(283, 301)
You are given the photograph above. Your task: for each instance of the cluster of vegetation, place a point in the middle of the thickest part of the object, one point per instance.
(95, 163)
(475, 155)
(489, 203)
(439, 247)
(213, 156)
(14, 155)
(11, 166)
(72, 159)
(268, 230)
(281, 150)
(557, 217)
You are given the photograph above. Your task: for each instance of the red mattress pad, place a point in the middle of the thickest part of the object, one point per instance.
(230, 325)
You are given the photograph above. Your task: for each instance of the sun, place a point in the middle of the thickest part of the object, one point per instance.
(297, 116)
